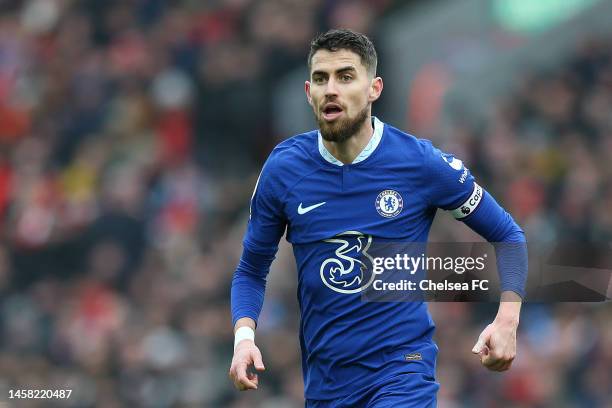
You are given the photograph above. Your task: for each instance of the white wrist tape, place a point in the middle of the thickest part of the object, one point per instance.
(243, 333)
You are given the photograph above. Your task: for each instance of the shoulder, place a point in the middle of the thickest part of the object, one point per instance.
(409, 145)
(288, 162)
(293, 150)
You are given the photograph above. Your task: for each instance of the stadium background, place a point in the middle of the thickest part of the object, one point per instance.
(131, 135)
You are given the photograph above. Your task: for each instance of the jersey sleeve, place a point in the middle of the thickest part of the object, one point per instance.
(265, 228)
(266, 218)
(451, 186)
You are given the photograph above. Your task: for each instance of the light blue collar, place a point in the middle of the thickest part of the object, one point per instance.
(365, 153)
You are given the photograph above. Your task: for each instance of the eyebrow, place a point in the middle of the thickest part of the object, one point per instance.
(348, 68)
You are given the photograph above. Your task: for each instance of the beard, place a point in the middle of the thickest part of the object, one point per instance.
(341, 130)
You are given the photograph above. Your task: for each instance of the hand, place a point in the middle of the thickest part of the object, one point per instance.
(496, 345)
(245, 355)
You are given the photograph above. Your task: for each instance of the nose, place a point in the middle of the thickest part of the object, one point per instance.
(331, 88)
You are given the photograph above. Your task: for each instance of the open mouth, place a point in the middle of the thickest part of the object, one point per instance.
(331, 111)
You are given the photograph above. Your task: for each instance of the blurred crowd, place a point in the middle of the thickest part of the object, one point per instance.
(131, 135)
(544, 148)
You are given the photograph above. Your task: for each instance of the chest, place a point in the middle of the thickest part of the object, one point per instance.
(382, 203)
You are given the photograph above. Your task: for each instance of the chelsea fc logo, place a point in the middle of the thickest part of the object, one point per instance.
(389, 203)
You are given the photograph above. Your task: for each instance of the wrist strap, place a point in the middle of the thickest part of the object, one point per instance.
(243, 333)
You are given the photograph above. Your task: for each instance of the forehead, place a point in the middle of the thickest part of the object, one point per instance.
(328, 61)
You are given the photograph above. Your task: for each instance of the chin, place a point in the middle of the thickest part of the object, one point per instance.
(342, 129)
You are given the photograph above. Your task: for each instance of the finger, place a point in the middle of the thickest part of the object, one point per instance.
(506, 363)
(494, 363)
(502, 366)
(488, 359)
(258, 361)
(254, 378)
(243, 383)
(492, 358)
(241, 376)
(232, 372)
(497, 365)
(485, 351)
(480, 344)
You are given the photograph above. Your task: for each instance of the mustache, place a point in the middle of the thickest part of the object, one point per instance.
(321, 106)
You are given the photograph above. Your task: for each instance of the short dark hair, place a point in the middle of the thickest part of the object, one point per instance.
(342, 39)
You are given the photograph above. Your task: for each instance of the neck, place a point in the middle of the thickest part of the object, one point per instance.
(348, 150)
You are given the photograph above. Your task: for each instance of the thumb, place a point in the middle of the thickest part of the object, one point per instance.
(481, 343)
(478, 346)
(257, 361)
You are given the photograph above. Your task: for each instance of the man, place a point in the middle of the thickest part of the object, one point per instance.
(336, 191)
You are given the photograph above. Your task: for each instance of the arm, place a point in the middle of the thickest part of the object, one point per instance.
(496, 345)
(265, 228)
(452, 187)
(247, 294)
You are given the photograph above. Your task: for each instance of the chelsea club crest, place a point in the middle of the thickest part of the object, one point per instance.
(389, 203)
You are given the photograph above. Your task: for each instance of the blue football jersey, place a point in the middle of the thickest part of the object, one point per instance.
(332, 214)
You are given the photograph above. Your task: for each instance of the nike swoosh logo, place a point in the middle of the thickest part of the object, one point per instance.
(304, 210)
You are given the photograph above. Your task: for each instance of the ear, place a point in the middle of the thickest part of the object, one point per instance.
(307, 90)
(376, 88)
